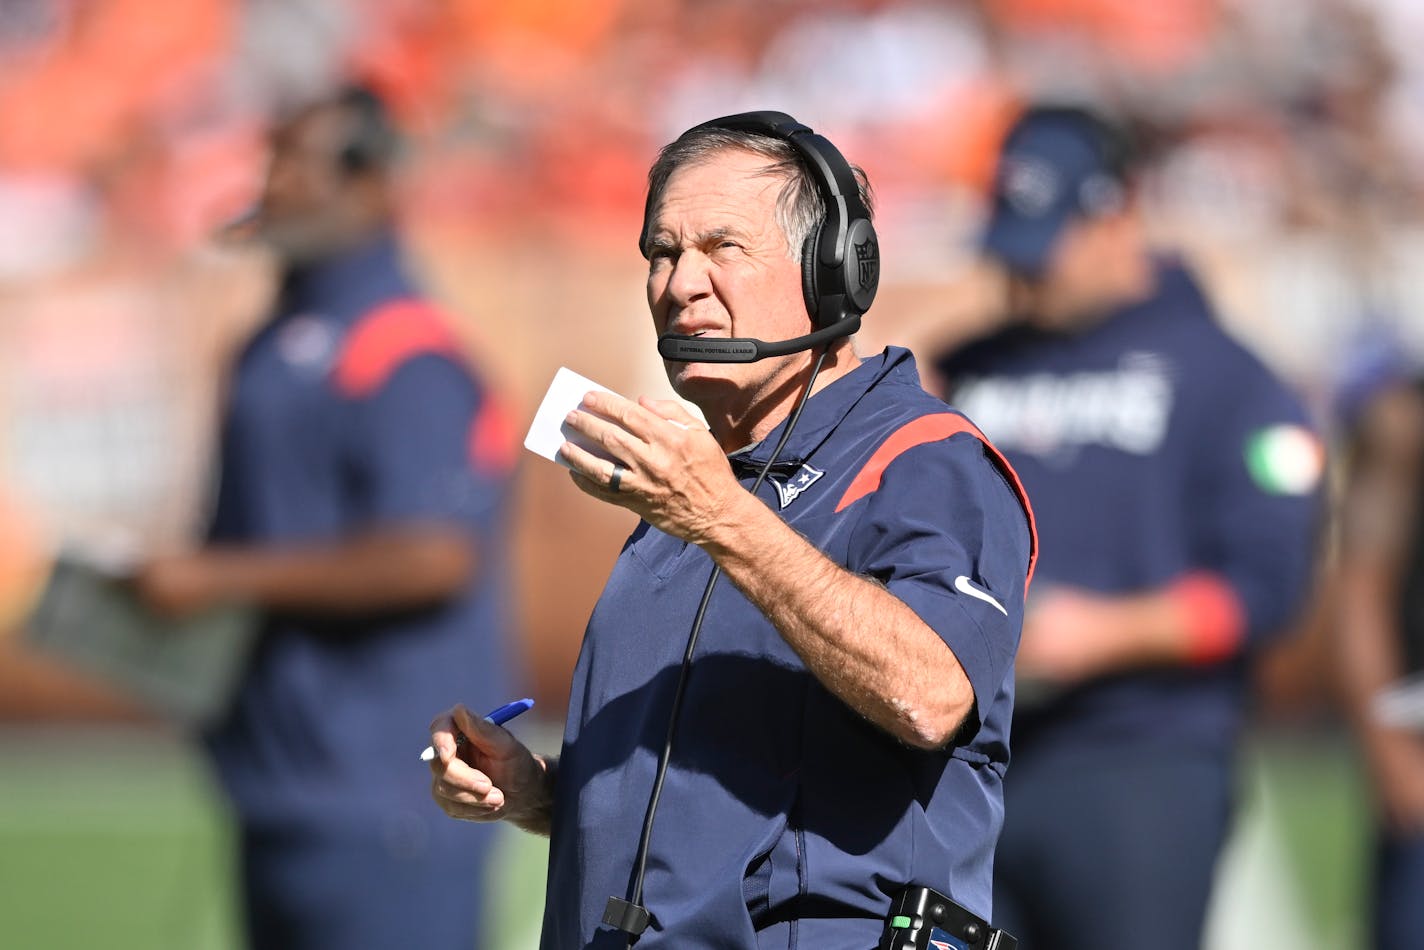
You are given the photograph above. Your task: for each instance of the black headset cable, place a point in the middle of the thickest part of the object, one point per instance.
(630, 915)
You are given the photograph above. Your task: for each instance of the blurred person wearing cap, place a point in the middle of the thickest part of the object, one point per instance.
(1378, 618)
(360, 503)
(1176, 484)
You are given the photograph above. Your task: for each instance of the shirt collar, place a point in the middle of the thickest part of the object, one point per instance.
(824, 412)
(347, 276)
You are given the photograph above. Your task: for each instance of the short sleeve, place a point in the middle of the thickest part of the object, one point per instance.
(428, 444)
(949, 537)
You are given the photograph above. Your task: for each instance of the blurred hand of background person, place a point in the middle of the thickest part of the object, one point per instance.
(178, 585)
(1396, 762)
(396, 568)
(1071, 635)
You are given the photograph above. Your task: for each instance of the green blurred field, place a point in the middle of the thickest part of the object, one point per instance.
(113, 838)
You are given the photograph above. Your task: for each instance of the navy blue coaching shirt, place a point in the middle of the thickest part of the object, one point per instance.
(352, 409)
(1159, 454)
(787, 819)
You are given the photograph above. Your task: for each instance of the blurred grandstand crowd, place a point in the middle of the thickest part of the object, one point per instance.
(139, 122)
(1286, 141)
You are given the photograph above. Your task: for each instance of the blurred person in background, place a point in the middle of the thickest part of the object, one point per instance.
(1175, 483)
(360, 506)
(1379, 627)
(841, 731)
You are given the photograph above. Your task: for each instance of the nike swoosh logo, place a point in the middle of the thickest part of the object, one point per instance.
(961, 584)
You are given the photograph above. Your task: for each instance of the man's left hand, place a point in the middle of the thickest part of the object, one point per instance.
(1070, 635)
(176, 585)
(673, 473)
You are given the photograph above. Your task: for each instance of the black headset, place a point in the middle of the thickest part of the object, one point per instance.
(373, 140)
(840, 261)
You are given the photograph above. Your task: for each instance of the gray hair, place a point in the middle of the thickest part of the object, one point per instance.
(799, 206)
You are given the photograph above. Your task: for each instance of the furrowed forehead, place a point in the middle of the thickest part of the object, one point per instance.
(755, 157)
(737, 183)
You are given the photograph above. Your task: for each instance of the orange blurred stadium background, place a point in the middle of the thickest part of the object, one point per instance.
(1286, 141)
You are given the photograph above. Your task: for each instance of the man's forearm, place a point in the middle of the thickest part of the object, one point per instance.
(1072, 635)
(858, 639)
(387, 570)
(1196, 619)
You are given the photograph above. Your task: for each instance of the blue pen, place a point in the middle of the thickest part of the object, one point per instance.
(499, 717)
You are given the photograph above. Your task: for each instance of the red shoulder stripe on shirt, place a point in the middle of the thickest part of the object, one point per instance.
(384, 339)
(493, 443)
(933, 428)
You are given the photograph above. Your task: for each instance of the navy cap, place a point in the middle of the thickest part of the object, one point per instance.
(1056, 164)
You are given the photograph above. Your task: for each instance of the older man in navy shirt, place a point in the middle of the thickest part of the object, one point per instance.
(843, 724)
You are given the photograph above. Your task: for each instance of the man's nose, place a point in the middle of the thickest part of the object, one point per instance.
(691, 277)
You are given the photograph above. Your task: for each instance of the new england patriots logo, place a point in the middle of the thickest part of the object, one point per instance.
(940, 940)
(788, 491)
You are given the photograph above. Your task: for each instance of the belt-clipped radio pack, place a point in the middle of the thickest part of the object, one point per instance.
(924, 919)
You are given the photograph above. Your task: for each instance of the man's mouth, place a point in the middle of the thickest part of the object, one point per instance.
(689, 325)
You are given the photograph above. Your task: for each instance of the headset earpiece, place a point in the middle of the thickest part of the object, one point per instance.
(862, 265)
(809, 290)
(373, 141)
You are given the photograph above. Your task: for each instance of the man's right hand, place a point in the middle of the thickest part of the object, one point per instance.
(177, 585)
(491, 776)
(1397, 759)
